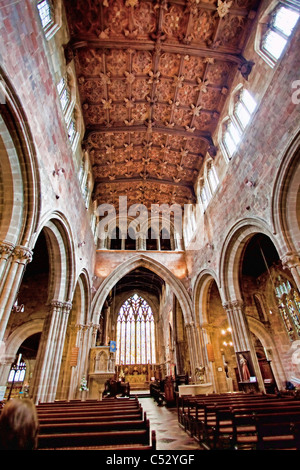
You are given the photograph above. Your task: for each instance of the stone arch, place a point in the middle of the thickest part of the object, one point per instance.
(83, 292)
(259, 330)
(20, 334)
(231, 255)
(201, 288)
(286, 198)
(61, 256)
(19, 177)
(143, 261)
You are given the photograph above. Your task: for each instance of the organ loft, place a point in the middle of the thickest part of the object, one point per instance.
(149, 199)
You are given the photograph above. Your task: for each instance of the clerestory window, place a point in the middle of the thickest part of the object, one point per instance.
(237, 122)
(275, 31)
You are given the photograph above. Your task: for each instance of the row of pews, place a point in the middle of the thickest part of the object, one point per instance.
(241, 421)
(110, 424)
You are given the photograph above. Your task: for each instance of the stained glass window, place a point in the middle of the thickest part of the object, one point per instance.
(289, 307)
(135, 332)
(17, 374)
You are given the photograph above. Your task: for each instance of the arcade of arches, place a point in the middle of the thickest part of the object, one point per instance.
(110, 99)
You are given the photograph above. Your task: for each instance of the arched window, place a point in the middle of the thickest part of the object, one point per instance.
(280, 27)
(237, 122)
(17, 373)
(45, 9)
(151, 241)
(116, 239)
(50, 16)
(165, 239)
(135, 332)
(64, 94)
(289, 307)
(212, 177)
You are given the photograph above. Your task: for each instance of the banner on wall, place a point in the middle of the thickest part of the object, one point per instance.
(112, 346)
(74, 356)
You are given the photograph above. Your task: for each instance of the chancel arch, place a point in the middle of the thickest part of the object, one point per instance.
(169, 290)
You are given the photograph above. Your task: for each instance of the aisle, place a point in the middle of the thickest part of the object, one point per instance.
(165, 422)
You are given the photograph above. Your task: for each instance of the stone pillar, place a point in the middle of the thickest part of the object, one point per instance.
(292, 262)
(191, 336)
(58, 351)
(18, 261)
(6, 249)
(208, 336)
(74, 381)
(50, 352)
(241, 336)
(84, 348)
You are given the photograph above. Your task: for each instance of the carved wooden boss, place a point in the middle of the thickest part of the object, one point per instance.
(153, 77)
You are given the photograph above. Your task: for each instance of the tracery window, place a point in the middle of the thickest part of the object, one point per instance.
(135, 332)
(289, 307)
(283, 21)
(17, 373)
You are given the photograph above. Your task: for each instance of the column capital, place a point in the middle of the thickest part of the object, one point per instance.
(6, 249)
(67, 306)
(22, 255)
(232, 304)
(290, 260)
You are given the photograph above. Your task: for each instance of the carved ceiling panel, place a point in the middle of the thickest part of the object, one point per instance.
(153, 78)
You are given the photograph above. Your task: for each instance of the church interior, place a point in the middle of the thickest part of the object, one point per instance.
(150, 210)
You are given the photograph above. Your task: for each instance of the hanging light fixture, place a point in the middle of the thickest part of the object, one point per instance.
(18, 308)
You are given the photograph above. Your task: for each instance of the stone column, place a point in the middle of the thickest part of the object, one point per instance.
(6, 249)
(58, 350)
(241, 336)
(208, 337)
(194, 359)
(75, 370)
(19, 259)
(50, 352)
(292, 262)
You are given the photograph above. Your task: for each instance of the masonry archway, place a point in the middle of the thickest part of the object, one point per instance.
(215, 337)
(19, 177)
(174, 284)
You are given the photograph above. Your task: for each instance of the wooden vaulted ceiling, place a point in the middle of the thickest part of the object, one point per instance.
(153, 78)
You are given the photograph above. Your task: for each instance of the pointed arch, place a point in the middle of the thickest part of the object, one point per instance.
(201, 288)
(231, 255)
(286, 198)
(136, 262)
(18, 170)
(61, 251)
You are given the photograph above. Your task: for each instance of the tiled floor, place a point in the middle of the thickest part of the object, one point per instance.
(169, 435)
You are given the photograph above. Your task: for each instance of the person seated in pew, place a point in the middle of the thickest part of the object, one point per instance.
(19, 425)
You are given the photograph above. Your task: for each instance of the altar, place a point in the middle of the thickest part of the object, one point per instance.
(136, 379)
(195, 389)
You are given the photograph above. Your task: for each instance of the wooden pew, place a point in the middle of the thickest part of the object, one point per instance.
(110, 425)
(227, 425)
(92, 417)
(276, 431)
(208, 418)
(89, 426)
(95, 439)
